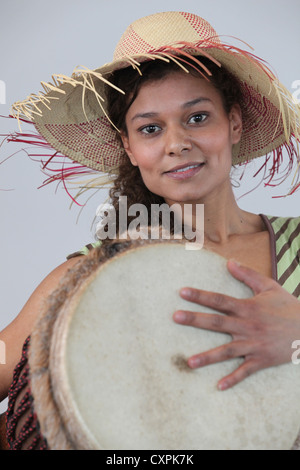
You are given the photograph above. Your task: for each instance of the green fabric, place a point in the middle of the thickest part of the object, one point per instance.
(287, 248)
(85, 250)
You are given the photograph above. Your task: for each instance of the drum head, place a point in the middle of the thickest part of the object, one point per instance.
(118, 362)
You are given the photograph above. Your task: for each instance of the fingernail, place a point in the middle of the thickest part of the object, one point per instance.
(185, 291)
(234, 261)
(180, 316)
(194, 362)
(222, 386)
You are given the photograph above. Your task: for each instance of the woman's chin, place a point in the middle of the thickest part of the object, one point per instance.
(185, 199)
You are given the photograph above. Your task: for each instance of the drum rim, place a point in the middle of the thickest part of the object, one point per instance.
(56, 430)
(51, 423)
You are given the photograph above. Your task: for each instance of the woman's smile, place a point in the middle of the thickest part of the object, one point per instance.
(184, 171)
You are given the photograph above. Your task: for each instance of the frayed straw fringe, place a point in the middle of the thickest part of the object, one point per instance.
(67, 174)
(57, 167)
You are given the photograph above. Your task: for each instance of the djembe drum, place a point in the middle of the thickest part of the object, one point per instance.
(108, 363)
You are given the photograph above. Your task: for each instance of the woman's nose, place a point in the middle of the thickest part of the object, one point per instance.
(177, 141)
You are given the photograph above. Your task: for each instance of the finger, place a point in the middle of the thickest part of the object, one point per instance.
(253, 279)
(208, 321)
(241, 373)
(231, 350)
(220, 302)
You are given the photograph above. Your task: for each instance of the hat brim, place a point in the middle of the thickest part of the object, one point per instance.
(72, 114)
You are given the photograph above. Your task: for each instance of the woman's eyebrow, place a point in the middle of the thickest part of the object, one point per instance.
(144, 115)
(153, 114)
(191, 103)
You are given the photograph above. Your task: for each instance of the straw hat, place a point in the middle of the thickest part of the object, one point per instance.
(71, 112)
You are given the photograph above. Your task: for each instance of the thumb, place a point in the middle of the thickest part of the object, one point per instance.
(256, 281)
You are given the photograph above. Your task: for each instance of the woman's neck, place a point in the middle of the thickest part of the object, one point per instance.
(222, 218)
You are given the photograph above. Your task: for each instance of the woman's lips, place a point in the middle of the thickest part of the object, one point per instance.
(184, 171)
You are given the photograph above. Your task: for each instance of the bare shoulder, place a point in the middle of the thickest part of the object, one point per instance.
(21, 327)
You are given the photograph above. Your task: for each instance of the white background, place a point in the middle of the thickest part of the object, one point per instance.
(39, 38)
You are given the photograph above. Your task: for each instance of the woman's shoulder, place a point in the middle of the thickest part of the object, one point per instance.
(35, 302)
(15, 334)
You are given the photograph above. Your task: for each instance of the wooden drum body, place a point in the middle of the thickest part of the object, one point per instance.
(108, 363)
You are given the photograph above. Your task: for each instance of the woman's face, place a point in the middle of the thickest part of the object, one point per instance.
(180, 137)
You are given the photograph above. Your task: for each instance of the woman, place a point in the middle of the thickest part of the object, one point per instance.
(181, 108)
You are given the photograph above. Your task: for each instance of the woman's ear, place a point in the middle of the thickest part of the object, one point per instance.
(126, 145)
(236, 122)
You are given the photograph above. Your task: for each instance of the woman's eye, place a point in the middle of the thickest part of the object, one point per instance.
(151, 129)
(198, 118)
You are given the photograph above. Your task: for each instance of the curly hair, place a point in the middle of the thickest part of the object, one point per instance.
(129, 181)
